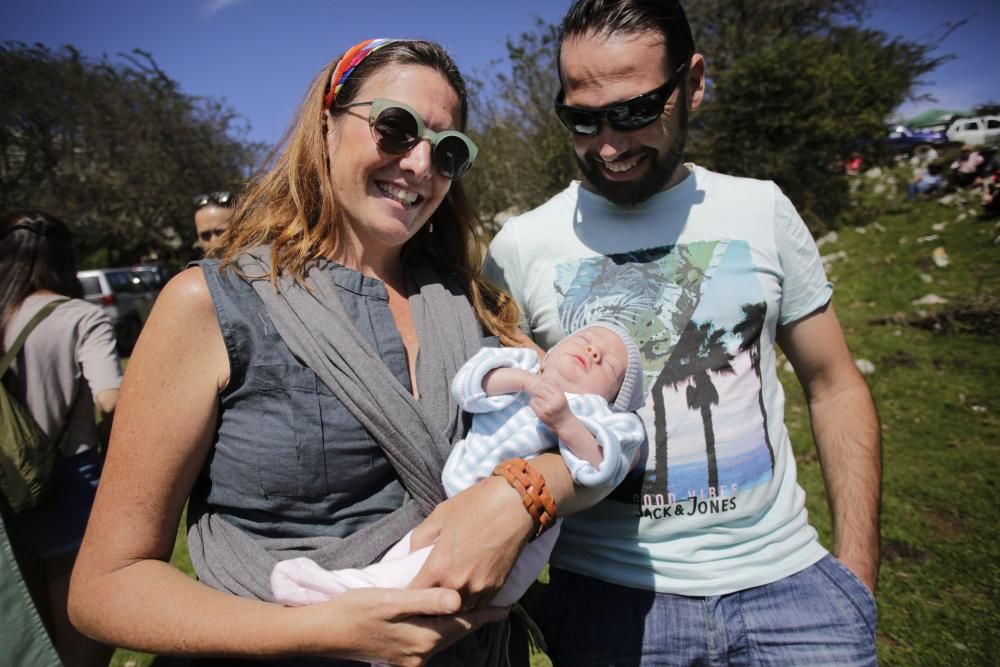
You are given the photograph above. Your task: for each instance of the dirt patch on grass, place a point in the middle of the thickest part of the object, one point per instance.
(946, 528)
(901, 551)
(979, 316)
(898, 359)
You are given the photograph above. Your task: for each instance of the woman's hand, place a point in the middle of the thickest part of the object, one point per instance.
(398, 627)
(466, 558)
(478, 534)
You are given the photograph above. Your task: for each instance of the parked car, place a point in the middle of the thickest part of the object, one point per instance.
(154, 275)
(978, 131)
(125, 297)
(902, 139)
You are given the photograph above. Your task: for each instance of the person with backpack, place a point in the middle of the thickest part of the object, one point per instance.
(53, 377)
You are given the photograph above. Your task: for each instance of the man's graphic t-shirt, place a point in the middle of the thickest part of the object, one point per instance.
(701, 275)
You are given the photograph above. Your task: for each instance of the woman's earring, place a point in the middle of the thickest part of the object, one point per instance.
(430, 228)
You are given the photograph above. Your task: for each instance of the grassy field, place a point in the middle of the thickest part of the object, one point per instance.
(936, 369)
(935, 372)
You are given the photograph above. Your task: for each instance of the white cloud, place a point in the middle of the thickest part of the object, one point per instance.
(213, 7)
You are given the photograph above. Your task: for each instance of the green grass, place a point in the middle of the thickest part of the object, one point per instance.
(938, 404)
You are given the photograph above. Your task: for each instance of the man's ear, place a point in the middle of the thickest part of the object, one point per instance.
(696, 81)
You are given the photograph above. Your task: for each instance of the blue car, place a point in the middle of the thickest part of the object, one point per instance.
(902, 139)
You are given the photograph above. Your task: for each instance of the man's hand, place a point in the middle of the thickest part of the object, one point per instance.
(864, 568)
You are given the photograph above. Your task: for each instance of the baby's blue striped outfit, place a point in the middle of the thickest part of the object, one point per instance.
(504, 427)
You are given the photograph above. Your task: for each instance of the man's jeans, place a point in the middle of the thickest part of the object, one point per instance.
(823, 615)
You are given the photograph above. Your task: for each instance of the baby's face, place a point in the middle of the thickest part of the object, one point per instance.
(589, 362)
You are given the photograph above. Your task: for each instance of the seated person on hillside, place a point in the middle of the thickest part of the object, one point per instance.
(853, 164)
(991, 187)
(965, 169)
(929, 153)
(927, 181)
(579, 400)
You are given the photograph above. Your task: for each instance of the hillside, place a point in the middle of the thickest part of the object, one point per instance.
(934, 380)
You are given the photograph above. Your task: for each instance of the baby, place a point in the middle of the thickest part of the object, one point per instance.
(580, 399)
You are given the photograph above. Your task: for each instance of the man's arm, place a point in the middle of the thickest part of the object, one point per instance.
(845, 427)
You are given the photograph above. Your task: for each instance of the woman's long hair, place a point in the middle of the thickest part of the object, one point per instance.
(292, 206)
(36, 253)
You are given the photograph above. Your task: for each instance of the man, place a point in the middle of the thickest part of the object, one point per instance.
(212, 213)
(990, 195)
(928, 181)
(705, 555)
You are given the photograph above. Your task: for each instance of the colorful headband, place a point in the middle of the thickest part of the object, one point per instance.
(352, 58)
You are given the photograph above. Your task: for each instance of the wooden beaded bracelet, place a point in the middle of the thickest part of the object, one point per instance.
(535, 495)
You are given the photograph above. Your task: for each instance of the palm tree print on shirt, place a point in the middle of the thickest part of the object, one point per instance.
(696, 311)
(749, 330)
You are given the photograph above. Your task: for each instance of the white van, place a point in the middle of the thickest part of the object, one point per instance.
(124, 296)
(979, 131)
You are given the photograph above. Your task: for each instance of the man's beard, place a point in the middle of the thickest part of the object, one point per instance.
(658, 173)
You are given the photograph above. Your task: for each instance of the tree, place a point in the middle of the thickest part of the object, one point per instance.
(115, 148)
(986, 109)
(796, 86)
(792, 109)
(726, 30)
(525, 153)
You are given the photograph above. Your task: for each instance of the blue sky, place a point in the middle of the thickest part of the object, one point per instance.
(259, 55)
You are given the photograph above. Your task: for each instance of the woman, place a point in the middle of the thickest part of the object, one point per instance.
(67, 364)
(281, 388)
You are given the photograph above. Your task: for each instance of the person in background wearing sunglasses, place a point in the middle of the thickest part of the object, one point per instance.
(708, 546)
(313, 417)
(212, 214)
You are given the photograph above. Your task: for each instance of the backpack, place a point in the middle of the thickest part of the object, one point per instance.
(27, 458)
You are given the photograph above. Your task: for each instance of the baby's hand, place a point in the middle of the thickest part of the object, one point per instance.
(549, 402)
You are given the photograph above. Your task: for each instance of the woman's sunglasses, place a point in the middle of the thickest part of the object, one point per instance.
(224, 199)
(624, 116)
(397, 129)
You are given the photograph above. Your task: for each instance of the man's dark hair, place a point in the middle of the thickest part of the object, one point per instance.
(608, 17)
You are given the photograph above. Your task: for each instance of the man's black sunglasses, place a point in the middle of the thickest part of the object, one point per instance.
(625, 116)
(223, 198)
